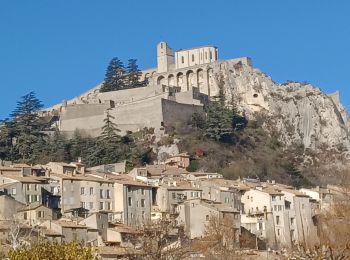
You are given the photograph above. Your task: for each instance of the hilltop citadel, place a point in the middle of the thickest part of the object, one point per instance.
(181, 84)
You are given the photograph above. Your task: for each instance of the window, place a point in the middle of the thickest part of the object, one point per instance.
(142, 203)
(101, 193)
(108, 194)
(142, 191)
(210, 55)
(292, 221)
(14, 191)
(278, 232)
(25, 215)
(40, 214)
(173, 195)
(82, 190)
(28, 186)
(129, 201)
(275, 208)
(260, 226)
(192, 194)
(192, 57)
(143, 215)
(277, 220)
(83, 205)
(182, 59)
(91, 205)
(207, 217)
(101, 205)
(129, 189)
(279, 207)
(91, 191)
(109, 206)
(273, 198)
(35, 187)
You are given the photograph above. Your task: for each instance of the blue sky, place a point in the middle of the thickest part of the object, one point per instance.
(61, 48)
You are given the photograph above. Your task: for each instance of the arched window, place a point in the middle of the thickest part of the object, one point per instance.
(182, 59)
(192, 57)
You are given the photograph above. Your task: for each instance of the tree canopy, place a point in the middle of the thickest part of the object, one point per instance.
(119, 77)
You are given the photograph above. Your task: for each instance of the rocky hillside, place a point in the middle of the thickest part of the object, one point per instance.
(302, 114)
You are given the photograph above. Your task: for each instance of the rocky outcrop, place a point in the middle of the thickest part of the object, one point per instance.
(301, 113)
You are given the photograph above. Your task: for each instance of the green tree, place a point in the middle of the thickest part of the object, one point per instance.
(110, 129)
(115, 78)
(6, 135)
(219, 123)
(27, 127)
(134, 75)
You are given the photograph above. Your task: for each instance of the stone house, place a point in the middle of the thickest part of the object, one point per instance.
(23, 187)
(220, 190)
(195, 214)
(168, 197)
(35, 213)
(181, 160)
(67, 231)
(278, 215)
(9, 206)
(96, 222)
(121, 235)
(80, 189)
(262, 214)
(133, 198)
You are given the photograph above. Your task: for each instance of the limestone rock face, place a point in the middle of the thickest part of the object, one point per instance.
(301, 113)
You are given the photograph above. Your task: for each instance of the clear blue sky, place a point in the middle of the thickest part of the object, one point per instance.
(61, 48)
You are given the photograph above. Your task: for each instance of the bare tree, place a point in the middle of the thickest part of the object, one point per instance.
(162, 240)
(221, 239)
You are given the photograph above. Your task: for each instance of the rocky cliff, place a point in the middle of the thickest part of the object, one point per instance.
(300, 113)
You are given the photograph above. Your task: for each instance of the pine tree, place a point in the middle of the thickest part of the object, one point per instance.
(219, 123)
(115, 78)
(6, 137)
(27, 127)
(134, 75)
(110, 130)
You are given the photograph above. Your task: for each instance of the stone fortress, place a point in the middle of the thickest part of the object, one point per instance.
(181, 84)
(185, 80)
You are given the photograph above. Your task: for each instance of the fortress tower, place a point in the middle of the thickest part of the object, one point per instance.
(165, 57)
